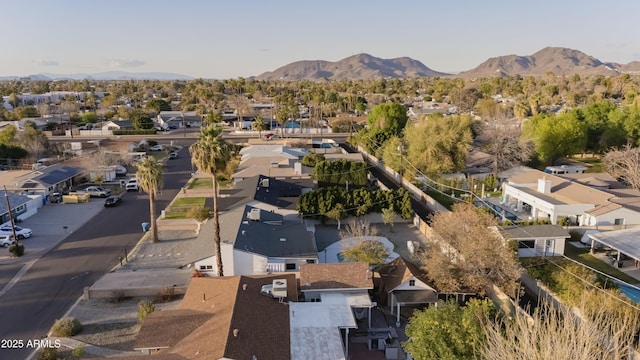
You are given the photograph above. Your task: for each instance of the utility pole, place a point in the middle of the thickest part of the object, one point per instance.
(13, 225)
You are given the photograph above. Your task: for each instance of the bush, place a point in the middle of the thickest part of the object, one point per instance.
(117, 296)
(78, 352)
(199, 214)
(48, 353)
(575, 235)
(166, 294)
(66, 327)
(145, 307)
(16, 250)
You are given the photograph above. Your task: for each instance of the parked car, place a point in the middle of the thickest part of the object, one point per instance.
(173, 155)
(132, 185)
(112, 201)
(156, 148)
(21, 233)
(97, 191)
(6, 240)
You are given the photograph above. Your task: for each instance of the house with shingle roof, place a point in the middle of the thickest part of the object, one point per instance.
(223, 318)
(255, 241)
(50, 179)
(347, 276)
(21, 206)
(537, 240)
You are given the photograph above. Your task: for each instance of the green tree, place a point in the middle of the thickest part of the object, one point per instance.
(89, 118)
(338, 213)
(385, 121)
(213, 117)
(149, 177)
(388, 217)
(158, 105)
(142, 121)
(439, 144)
(210, 154)
(556, 136)
(340, 172)
(372, 252)
(448, 331)
(311, 159)
(14, 100)
(8, 135)
(33, 140)
(258, 125)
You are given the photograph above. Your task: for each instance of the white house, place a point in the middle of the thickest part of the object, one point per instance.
(178, 119)
(537, 240)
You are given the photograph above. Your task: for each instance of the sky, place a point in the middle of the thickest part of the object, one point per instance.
(224, 39)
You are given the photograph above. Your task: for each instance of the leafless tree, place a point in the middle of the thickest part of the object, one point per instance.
(596, 333)
(358, 229)
(500, 137)
(624, 165)
(465, 252)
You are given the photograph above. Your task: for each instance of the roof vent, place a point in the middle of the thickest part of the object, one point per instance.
(283, 239)
(244, 232)
(244, 287)
(236, 332)
(265, 182)
(254, 214)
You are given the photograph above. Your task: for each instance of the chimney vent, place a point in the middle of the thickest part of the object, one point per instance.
(244, 287)
(236, 332)
(544, 186)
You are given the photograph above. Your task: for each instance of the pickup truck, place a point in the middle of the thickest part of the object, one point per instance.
(97, 191)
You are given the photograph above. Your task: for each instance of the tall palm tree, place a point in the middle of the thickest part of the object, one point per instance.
(211, 154)
(149, 177)
(259, 125)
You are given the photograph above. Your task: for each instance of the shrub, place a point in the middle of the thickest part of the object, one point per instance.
(117, 296)
(16, 250)
(199, 214)
(66, 327)
(575, 235)
(166, 294)
(78, 352)
(145, 307)
(48, 353)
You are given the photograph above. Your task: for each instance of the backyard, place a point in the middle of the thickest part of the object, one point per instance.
(179, 209)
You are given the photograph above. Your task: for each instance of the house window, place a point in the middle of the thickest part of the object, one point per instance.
(526, 244)
(618, 222)
(412, 283)
(290, 266)
(20, 209)
(206, 267)
(311, 261)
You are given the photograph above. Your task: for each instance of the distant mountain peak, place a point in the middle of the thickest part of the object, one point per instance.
(112, 75)
(357, 67)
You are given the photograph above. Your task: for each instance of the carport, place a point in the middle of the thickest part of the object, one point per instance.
(624, 241)
(401, 298)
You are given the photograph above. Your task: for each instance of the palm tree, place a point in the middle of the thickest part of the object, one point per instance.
(210, 154)
(149, 177)
(259, 125)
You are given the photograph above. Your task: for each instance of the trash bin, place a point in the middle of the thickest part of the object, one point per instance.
(145, 226)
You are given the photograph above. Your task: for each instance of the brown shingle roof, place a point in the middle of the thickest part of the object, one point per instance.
(349, 275)
(222, 305)
(157, 330)
(399, 271)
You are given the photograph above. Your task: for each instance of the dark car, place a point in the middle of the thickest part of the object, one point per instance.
(112, 201)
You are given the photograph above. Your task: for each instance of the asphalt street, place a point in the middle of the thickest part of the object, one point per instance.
(56, 280)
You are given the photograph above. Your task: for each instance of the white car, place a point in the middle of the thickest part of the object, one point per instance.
(156, 148)
(97, 191)
(6, 240)
(132, 185)
(21, 233)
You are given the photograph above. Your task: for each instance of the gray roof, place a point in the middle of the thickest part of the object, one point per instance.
(15, 200)
(283, 194)
(273, 237)
(534, 231)
(55, 174)
(625, 241)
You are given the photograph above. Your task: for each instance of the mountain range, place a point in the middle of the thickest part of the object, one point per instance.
(107, 75)
(558, 60)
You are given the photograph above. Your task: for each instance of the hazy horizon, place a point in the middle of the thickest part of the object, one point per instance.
(221, 40)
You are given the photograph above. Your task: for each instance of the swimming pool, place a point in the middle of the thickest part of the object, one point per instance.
(632, 292)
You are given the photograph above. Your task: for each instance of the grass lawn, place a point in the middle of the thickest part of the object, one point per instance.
(179, 209)
(444, 200)
(200, 183)
(583, 256)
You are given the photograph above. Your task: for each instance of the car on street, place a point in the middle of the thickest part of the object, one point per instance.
(21, 233)
(6, 240)
(132, 185)
(156, 148)
(97, 191)
(112, 201)
(173, 155)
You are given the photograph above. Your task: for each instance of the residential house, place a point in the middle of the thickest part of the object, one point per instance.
(337, 296)
(22, 206)
(255, 241)
(117, 125)
(222, 318)
(47, 180)
(537, 240)
(539, 195)
(277, 161)
(178, 119)
(622, 242)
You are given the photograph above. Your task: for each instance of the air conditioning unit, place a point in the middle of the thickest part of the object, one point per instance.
(279, 288)
(254, 214)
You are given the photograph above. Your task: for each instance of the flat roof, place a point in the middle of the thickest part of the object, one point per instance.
(625, 241)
